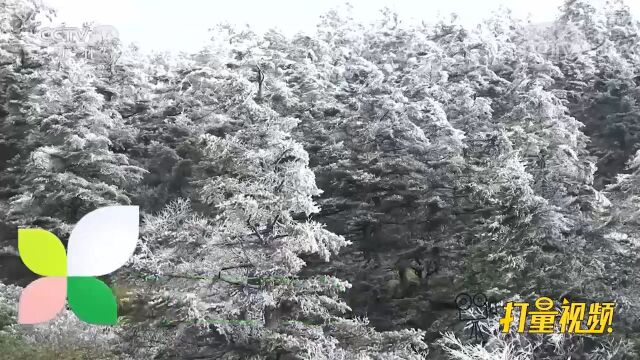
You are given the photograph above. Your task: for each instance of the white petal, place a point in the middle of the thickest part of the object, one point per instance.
(103, 241)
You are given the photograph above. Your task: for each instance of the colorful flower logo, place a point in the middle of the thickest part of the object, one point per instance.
(101, 242)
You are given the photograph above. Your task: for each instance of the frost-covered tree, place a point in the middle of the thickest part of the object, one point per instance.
(67, 168)
(21, 58)
(233, 266)
(600, 78)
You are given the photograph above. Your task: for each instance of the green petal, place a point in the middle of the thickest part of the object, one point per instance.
(42, 252)
(92, 300)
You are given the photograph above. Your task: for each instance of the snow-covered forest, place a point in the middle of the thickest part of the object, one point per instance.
(327, 195)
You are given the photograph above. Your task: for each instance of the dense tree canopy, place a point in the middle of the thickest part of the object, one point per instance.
(327, 195)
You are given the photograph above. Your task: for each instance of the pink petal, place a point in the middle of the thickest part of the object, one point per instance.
(42, 300)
